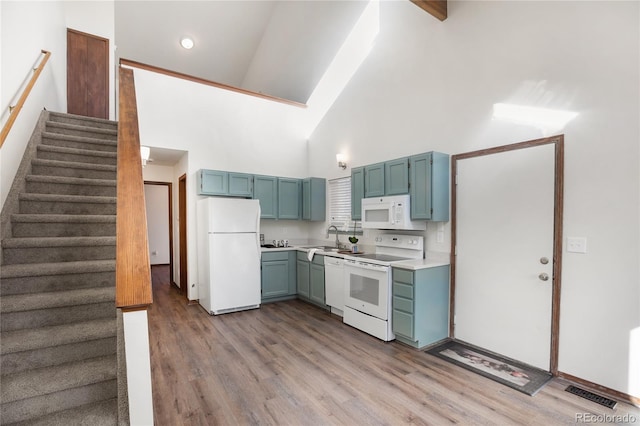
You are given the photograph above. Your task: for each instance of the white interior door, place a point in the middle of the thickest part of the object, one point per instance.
(504, 230)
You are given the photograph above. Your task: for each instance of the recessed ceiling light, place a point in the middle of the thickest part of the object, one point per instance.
(186, 42)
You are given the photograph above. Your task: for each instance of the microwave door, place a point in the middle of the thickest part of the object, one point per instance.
(377, 217)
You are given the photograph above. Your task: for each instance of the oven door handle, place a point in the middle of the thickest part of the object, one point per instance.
(363, 265)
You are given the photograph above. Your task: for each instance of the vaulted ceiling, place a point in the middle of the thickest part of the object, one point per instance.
(278, 48)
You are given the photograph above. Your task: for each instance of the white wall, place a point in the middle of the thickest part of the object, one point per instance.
(156, 199)
(430, 85)
(27, 28)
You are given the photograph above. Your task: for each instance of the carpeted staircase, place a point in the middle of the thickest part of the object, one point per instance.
(57, 306)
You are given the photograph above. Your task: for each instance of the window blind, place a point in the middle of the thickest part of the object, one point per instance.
(340, 205)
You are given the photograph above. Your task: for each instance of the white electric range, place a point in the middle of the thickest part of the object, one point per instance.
(367, 289)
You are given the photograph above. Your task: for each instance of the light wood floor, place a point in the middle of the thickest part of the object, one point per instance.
(291, 363)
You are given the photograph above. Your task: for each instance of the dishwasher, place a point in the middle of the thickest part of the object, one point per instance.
(334, 284)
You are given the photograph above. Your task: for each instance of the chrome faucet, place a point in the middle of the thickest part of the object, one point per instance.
(337, 240)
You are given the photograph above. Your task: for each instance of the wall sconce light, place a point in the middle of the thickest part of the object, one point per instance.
(187, 42)
(145, 151)
(341, 161)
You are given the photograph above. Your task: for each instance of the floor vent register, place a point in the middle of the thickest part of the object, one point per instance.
(609, 403)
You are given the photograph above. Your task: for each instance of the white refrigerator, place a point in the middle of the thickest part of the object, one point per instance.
(228, 254)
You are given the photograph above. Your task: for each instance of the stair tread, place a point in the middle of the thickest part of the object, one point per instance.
(77, 151)
(70, 180)
(31, 196)
(56, 299)
(101, 413)
(69, 126)
(84, 118)
(73, 164)
(63, 218)
(86, 139)
(26, 242)
(47, 380)
(45, 337)
(56, 268)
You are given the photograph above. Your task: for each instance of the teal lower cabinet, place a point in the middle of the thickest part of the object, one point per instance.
(302, 274)
(278, 275)
(420, 305)
(316, 281)
(311, 279)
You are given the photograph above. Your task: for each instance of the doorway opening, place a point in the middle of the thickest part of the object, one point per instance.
(158, 198)
(182, 233)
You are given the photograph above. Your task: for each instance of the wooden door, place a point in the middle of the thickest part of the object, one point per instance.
(506, 222)
(182, 230)
(87, 74)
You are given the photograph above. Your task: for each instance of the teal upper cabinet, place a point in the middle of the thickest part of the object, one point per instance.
(396, 177)
(265, 189)
(212, 182)
(357, 192)
(314, 199)
(288, 198)
(429, 178)
(240, 185)
(374, 180)
(217, 182)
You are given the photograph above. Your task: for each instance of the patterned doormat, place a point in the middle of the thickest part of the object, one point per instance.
(523, 378)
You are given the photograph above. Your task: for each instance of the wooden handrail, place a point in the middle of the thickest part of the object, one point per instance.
(175, 74)
(14, 111)
(133, 270)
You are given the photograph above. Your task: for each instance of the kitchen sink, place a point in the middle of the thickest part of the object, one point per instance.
(323, 248)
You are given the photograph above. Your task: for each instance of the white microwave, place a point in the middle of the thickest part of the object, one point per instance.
(393, 212)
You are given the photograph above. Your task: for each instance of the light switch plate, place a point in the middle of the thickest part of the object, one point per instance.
(576, 244)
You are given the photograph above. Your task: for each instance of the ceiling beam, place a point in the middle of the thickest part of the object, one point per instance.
(437, 8)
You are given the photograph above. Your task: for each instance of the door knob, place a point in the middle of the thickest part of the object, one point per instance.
(544, 260)
(544, 276)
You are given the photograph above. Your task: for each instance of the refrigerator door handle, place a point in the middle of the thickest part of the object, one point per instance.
(258, 232)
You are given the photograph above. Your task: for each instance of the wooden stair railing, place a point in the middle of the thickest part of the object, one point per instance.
(187, 77)
(133, 271)
(15, 110)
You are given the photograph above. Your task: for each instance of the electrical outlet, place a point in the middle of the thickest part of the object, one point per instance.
(576, 244)
(440, 233)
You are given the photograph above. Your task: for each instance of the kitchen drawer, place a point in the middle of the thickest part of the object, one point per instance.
(403, 290)
(403, 275)
(403, 324)
(318, 259)
(275, 255)
(403, 304)
(302, 255)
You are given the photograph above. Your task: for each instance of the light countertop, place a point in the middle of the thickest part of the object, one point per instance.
(432, 259)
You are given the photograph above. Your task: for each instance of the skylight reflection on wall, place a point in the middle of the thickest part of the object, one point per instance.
(547, 120)
(344, 65)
